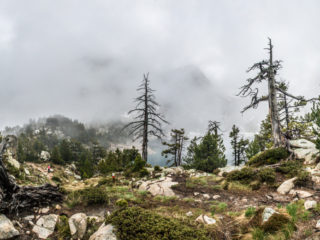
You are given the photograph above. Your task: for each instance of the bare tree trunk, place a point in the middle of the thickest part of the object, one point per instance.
(274, 115)
(145, 128)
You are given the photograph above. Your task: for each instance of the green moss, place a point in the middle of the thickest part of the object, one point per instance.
(136, 223)
(62, 227)
(267, 175)
(267, 157)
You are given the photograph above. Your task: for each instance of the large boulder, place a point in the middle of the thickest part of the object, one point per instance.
(105, 232)
(286, 186)
(161, 186)
(45, 226)
(78, 225)
(7, 229)
(305, 149)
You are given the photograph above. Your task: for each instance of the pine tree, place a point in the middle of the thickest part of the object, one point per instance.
(175, 147)
(208, 154)
(147, 121)
(55, 156)
(234, 135)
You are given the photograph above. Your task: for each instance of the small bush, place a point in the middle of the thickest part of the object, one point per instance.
(290, 168)
(63, 229)
(250, 212)
(143, 172)
(292, 209)
(94, 195)
(275, 222)
(303, 178)
(244, 176)
(157, 168)
(136, 223)
(267, 175)
(267, 157)
(56, 179)
(122, 203)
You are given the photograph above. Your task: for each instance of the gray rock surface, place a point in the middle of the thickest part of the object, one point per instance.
(7, 229)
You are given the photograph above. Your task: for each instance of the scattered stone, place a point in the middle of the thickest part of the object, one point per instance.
(45, 226)
(58, 207)
(244, 200)
(267, 213)
(97, 219)
(26, 171)
(206, 196)
(318, 224)
(105, 232)
(78, 225)
(300, 193)
(286, 186)
(310, 204)
(44, 210)
(29, 218)
(77, 177)
(189, 214)
(7, 229)
(196, 193)
(205, 219)
(216, 197)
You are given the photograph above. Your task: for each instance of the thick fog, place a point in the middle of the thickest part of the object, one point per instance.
(84, 59)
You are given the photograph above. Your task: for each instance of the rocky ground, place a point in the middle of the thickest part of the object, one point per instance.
(224, 208)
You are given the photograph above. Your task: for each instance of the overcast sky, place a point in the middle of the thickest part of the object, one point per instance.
(84, 59)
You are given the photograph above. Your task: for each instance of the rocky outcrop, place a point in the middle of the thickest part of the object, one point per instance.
(105, 232)
(78, 225)
(161, 186)
(7, 229)
(300, 193)
(305, 149)
(45, 226)
(286, 186)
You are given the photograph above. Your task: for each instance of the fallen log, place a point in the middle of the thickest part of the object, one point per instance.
(15, 198)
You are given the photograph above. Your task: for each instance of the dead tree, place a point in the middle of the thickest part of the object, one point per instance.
(147, 121)
(15, 198)
(267, 70)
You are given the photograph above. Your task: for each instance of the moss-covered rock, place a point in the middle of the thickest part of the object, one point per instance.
(267, 157)
(136, 223)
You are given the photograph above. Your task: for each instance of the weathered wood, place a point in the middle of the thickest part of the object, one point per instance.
(15, 198)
